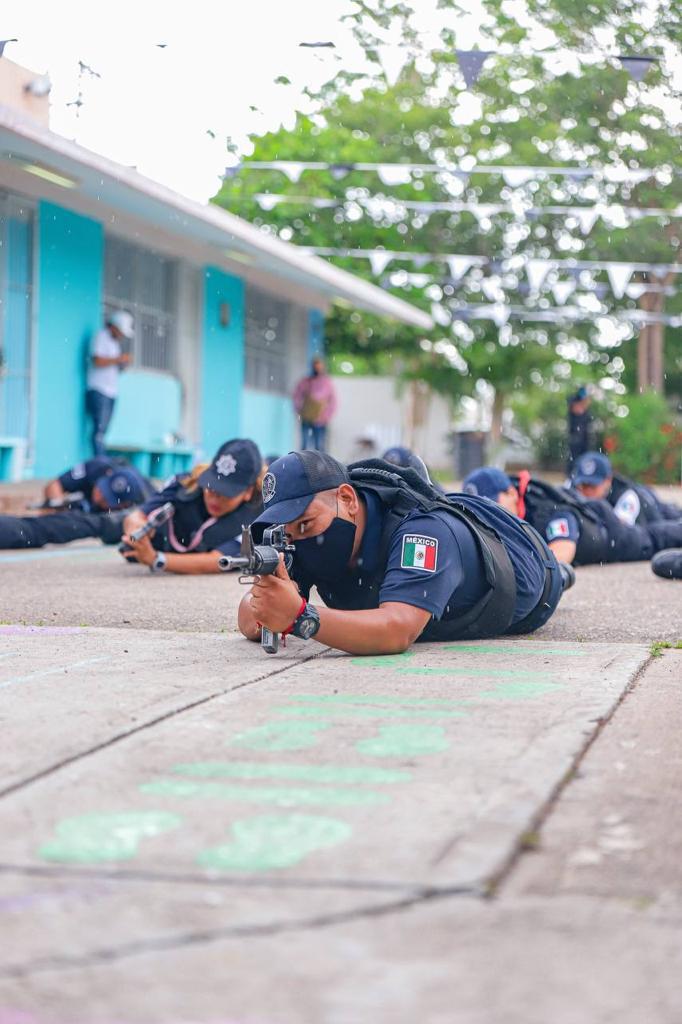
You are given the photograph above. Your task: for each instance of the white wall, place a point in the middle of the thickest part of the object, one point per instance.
(374, 406)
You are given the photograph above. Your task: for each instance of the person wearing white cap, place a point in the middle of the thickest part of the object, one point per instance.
(107, 359)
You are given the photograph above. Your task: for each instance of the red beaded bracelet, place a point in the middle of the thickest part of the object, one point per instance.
(300, 611)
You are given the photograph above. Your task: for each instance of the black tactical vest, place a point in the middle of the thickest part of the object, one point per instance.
(402, 491)
(543, 500)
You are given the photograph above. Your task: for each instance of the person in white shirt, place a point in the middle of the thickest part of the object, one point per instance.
(107, 359)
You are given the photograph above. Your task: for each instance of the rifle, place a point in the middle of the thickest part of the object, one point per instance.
(156, 518)
(261, 560)
(74, 499)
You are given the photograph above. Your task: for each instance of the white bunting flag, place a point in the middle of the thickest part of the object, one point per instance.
(459, 265)
(562, 290)
(267, 202)
(484, 211)
(500, 314)
(292, 170)
(517, 176)
(394, 174)
(619, 277)
(586, 218)
(419, 280)
(490, 286)
(440, 314)
(537, 271)
(379, 260)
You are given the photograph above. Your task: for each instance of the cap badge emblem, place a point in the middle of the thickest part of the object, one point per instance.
(269, 485)
(225, 465)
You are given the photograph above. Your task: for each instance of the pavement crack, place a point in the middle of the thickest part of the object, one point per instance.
(538, 819)
(44, 773)
(183, 940)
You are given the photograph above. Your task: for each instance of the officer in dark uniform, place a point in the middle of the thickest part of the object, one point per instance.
(398, 455)
(210, 510)
(107, 499)
(577, 529)
(633, 503)
(394, 560)
(579, 424)
(88, 478)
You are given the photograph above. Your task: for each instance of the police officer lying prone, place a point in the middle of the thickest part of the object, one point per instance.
(394, 560)
(105, 498)
(586, 531)
(89, 484)
(210, 506)
(633, 503)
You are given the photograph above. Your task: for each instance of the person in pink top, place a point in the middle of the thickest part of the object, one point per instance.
(315, 403)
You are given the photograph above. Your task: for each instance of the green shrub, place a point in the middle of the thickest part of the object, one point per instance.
(647, 443)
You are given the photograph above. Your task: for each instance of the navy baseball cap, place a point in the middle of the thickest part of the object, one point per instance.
(292, 482)
(488, 482)
(591, 468)
(122, 487)
(398, 455)
(235, 467)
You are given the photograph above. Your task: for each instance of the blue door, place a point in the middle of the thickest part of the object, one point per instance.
(16, 296)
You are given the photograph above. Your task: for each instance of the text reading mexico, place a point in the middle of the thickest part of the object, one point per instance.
(419, 552)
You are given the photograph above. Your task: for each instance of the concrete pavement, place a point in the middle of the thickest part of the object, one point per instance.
(193, 831)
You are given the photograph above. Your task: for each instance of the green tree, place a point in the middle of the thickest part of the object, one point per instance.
(531, 113)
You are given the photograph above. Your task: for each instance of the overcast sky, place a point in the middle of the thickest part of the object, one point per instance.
(153, 108)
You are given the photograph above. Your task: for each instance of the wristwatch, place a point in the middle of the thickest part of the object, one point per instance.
(307, 624)
(159, 563)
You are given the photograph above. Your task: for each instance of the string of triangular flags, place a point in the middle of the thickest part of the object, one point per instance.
(500, 313)
(585, 216)
(514, 176)
(536, 270)
(471, 64)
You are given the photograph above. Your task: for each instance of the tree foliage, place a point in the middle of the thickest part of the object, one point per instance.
(552, 109)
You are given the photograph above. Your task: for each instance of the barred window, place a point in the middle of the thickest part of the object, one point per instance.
(143, 283)
(267, 321)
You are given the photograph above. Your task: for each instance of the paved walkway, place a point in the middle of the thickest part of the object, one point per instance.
(193, 831)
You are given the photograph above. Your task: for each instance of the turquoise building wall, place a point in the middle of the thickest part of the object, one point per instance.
(70, 260)
(315, 333)
(269, 420)
(222, 375)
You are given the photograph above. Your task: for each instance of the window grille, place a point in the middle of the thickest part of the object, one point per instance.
(267, 323)
(144, 283)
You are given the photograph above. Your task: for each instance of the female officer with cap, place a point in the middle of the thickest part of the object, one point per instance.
(394, 560)
(209, 512)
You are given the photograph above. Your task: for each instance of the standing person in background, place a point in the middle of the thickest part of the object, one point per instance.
(315, 403)
(107, 359)
(579, 422)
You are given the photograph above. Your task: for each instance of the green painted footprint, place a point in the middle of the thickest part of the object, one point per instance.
(405, 741)
(91, 838)
(383, 660)
(274, 841)
(280, 736)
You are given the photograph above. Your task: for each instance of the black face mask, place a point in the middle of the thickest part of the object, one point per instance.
(326, 556)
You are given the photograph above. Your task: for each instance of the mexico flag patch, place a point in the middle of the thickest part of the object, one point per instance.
(419, 552)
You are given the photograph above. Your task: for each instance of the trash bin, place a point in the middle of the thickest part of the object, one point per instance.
(469, 451)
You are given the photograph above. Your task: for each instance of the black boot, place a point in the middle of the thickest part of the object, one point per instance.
(668, 564)
(567, 575)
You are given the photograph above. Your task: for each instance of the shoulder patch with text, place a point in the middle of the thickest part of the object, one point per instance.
(419, 552)
(558, 528)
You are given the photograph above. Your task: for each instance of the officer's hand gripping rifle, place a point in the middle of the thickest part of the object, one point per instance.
(261, 560)
(156, 518)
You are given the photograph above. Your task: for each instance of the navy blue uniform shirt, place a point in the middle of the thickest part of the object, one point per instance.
(190, 515)
(85, 475)
(434, 563)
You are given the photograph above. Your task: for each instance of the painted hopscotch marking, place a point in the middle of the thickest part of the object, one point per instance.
(300, 772)
(49, 672)
(275, 841)
(278, 737)
(281, 796)
(91, 838)
(405, 741)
